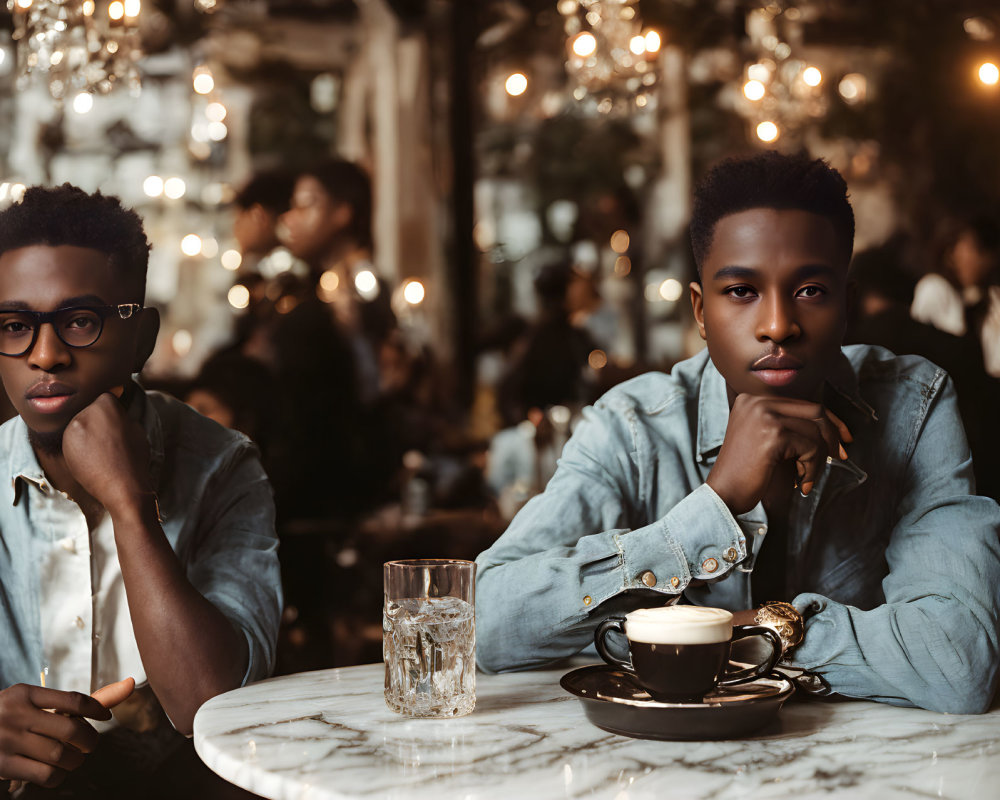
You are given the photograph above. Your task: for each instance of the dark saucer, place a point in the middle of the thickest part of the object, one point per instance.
(614, 702)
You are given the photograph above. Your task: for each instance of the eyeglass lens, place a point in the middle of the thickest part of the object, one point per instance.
(76, 327)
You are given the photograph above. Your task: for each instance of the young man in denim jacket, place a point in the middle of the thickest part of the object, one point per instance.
(774, 466)
(136, 537)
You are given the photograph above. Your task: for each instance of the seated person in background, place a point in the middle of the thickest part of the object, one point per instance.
(963, 296)
(136, 536)
(883, 294)
(775, 466)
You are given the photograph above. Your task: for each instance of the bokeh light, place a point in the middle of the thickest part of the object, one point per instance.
(231, 260)
(191, 244)
(239, 296)
(413, 292)
(812, 76)
(619, 241)
(989, 73)
(754, 90)
(767, 131)
(516, 84)
(174, 188)
(584, 44)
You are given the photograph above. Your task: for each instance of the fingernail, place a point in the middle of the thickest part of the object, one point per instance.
(806, 488)
(843, 453)
(118, 391)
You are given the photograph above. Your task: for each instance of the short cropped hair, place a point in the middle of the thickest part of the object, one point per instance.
(67, 215)
(272, 190)
(770, 180)
(348, 183)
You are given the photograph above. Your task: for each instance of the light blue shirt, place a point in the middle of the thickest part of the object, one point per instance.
(893, 560)
(218, 515)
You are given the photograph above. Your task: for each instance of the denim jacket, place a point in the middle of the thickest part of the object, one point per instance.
(893, 560)
(218, 516)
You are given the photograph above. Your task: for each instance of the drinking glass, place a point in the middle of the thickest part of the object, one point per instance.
(429, 636)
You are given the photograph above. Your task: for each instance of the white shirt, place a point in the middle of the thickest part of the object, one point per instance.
(81, 582)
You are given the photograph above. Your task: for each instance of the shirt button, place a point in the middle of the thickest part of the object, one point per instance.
(710, 565)
(731, 554)
(675, 581)
(68, 545)
(79, 622)
(761, 531)
(648, 578)
(588, 600)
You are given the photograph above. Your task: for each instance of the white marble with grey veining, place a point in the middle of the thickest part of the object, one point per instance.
(328, 734)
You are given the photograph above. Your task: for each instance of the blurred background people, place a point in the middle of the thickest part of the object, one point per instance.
(962, 296)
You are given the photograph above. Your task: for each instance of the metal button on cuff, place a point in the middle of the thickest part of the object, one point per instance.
(710, 565)
(648, 578)
(675, 581)
(761, 531)
(731, 554)
(588, 600)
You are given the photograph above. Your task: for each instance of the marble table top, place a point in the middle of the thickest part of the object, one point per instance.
(328, 734)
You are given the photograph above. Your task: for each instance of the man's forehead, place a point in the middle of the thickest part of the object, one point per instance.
(754, 237)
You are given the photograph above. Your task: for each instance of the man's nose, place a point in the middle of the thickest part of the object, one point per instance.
(776, 321)
(49, 351)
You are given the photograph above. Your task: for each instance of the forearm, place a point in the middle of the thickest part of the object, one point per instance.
(933, 653)
(543, 588)
(189, 649)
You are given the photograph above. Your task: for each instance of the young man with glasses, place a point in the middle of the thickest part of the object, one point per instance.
(136, 537)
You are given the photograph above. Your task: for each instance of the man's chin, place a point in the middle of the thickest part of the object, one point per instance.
(49, 443)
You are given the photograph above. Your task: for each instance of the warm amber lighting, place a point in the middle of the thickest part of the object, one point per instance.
(83, 102)
(216, 112)
(191, 244)
(516, 84)
(767, 131)
(671, 290)
(132, 8)
(413, 292)
(181, 341)
(812, 76)
(653, 42)
(584, 44)
(619, 241)
(759, 72)
(239, 296)
(637, 44)
(853, 87)
(597, 359)
(116, 10)
(203, 81)
(231, 260)
(623, 266)
(174, 188)
(989, 73)
(24, 4)
(754, 90)
(153, 186)
(366, 283)
(88, 8)
(329, 281)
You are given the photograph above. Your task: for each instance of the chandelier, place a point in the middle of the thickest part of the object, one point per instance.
(780, 94)
(78, 45)
(611, 60)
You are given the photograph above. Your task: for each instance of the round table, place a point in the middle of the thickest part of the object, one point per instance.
(328, 734)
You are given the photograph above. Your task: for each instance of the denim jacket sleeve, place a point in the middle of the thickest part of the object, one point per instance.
(934, 642)
(570, 554)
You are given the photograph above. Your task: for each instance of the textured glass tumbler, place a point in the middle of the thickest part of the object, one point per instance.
(429, 637)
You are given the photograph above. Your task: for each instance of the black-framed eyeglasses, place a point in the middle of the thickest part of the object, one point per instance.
(80, 326)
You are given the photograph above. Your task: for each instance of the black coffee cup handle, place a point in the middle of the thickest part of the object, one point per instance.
(608, 625)
(761, 670)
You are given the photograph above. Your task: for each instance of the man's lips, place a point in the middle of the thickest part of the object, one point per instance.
(777, 369)
(49, 398)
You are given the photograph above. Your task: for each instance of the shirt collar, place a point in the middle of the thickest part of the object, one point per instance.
(24, 464)
(713, 402)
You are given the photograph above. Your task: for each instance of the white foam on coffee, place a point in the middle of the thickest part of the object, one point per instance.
(679, 625)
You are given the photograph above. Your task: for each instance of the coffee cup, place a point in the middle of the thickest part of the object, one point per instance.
(680, 653)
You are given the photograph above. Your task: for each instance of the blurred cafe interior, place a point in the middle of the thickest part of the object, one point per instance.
(518, 175)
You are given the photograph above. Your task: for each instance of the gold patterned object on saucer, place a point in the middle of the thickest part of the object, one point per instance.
(784, 620)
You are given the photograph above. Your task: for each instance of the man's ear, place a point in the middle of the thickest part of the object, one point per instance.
(342, 215)
(698, 306)
(149, 327)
